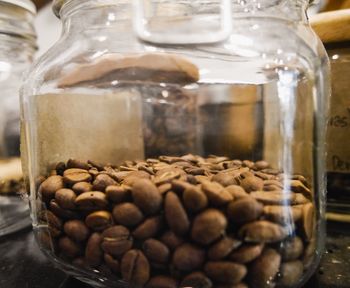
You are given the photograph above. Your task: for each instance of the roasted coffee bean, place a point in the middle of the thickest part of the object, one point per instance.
(112, 263)
(291, 273)
(180, 186)
(244, 210)
(273, 197)
(97, 165)
(194, 199)
(93, 251)
(164, 188)
(134, 176)
(127, 214)
(225, 179)
(63, 213)
(291, 249)
(75, 175)
(260, 165)
(223, 248)
(299, 187)
(166, 175)
(116, 240)
(74, 163)
(263, 271)
(60, 167)
(236, 191)
(196, 280)
(171, 240)
(66, 198)
(149, 228)
(216, 193)
(175, 214)
(246, 253)
(156, 251)
(82, 187)
(53, 222)
(225, 272)
(282, 214)
(69, 248)
(252, 183)
(161, 282)
(263, 232)
(308, 221)
(208, 226)
(76, 230)
(299, 199)
(146, 196)
(48, 188)
(93, 200)
(118, 194)
(188, 257)
(99, 220)
(135, 268)
(102, 181)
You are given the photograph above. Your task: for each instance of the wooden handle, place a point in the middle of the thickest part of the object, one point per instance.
(332, 26)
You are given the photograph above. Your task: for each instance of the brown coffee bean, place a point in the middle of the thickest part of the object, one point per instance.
(99, 220)
(194, 199)
(260, 165)
(161, 282)
(53, 222)
(134, 176)
(93, 251)
(171, 240)
(146, 196)
(225, 272)
(282, 214)
(263, 270)
(75, 175)
(135, 268)
(308, 221)
(166, 175)
(127, 214)
(66, 198)
(180, 186)
(246, 253)
(68, 247)
(217, 195)
(273, 197)
(112, 263)
(236, 191)
(195, 171)
(291, 249)
(74, 163)
(93, 200)
(149, 228)
(175, 214)
(225, 179)
(262, 232)
(76, 230)
(244, 210)
(196, 280)
(156, 251)
(299, 187)
(223, 248)
(252, 183)
(82, 187)
(116, 240)
(164, 188)
(188, 257)
(48, 188)
(208, 226)
(102, 181)
(201, 178)
(97, 165)
(118, 194)
(291, 273)
(248, 163)
(62, 213)
(264, 176)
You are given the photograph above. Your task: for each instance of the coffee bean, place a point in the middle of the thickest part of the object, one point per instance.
(208, 226)
(75, 175)
(164, 188)
(146, 196)
(127, 214)
(74, 163)
(196, 280)
(299, 187)
(291, 273)
(118, 194)
(93, 251)
(76, 230)
(48, 188)
(135, 268)
(223, 248)
(149, 228)
(236, 191)
(82, 187)
(246, 253)
(66, 198)
(112, 263)
(260, 165)
(216, 193)
(263, 270)
(93, 200)
(171, 240)
(97, 165)
(68, 247)
(225, 179)
(175, 214)
(263, 232)
(188, 257)
(134, 176)
(252, 183)
(180, 186)
(273, 197)
(248, 163)
(53, 222)
(225, 272)
(166, 175)
(194, 199)
(195, 171)
(156, 251)
(291, 249)
(116, 240)
(102, 181)
(308, 221)
(244, 210)
(161, 282)
(63, 213)
(99, 220)
(282, 214)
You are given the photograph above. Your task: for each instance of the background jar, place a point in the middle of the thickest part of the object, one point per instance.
(91, 98)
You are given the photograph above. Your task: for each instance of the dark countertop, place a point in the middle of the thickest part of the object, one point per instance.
(22, 265)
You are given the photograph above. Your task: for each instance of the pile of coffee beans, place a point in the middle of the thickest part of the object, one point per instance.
(181, 221)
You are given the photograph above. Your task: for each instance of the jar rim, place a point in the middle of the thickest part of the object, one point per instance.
(25, 4)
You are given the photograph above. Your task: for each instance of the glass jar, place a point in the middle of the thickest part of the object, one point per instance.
(181, 145)
(17, 47)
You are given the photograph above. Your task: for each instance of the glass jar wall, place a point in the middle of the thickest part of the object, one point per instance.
(177, 154)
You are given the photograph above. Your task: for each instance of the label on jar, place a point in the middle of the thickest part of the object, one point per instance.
(338, 137)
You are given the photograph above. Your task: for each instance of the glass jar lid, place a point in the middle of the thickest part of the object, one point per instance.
(25, 4)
